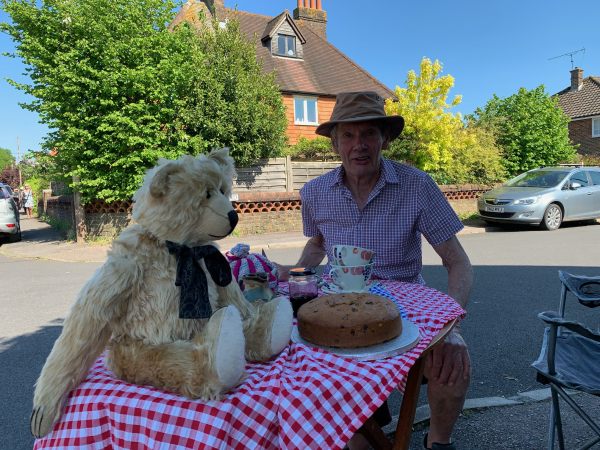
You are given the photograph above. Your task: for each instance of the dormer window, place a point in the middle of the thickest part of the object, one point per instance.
(286, 45)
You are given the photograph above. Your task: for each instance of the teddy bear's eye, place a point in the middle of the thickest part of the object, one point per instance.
(207, 194)
(222, 191)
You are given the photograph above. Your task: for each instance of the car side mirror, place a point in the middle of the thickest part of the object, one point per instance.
(574, 185)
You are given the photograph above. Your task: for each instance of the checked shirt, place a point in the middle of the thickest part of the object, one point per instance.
(404, 204)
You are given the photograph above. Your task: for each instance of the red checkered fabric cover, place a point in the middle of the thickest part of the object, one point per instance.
(305, 398)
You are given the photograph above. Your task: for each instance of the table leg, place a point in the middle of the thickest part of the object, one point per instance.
(375, 435)
(409, 406)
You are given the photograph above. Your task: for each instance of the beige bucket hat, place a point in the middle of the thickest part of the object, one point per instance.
(361, 107)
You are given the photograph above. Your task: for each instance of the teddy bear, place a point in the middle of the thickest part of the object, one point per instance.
(164, 304)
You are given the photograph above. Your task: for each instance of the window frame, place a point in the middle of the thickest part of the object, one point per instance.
(595, 127)
(288, 37)
(305, 99)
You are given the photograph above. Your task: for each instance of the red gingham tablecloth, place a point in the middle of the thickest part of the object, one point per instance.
(304, 398)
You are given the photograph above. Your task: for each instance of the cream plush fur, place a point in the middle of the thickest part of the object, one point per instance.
(131, 304)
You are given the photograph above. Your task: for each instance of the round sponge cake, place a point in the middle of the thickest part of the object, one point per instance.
(349, 320)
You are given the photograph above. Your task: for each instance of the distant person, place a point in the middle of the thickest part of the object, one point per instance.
(27, 199)
(17, 198)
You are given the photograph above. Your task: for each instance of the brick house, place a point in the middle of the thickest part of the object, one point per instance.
(581, 102)
(309, 70)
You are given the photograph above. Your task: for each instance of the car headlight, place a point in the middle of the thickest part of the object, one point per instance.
(526, 201)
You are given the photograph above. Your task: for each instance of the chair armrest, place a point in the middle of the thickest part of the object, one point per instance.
(552, 318)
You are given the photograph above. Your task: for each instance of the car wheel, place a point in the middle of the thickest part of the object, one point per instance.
(16, 237)
(552, 217)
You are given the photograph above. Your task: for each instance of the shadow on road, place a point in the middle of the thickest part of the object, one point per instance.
(22, 359)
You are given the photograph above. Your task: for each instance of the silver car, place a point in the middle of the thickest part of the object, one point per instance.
(546, 196)
(10, 226)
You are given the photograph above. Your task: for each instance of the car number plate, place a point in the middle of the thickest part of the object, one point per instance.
(497, 209)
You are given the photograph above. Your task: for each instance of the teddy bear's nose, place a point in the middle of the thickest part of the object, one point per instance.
(233, 218)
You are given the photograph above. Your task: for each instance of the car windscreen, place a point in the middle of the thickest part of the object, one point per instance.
(538, 178)
(4, 193)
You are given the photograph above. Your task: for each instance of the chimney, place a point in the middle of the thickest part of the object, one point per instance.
(215, 6)
(310, 12)
(576, 79)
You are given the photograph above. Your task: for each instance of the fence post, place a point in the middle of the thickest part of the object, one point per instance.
(79, 214)
(289, 174)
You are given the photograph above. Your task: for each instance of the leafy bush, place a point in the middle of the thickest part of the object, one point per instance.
(475, 159)
(318, 149)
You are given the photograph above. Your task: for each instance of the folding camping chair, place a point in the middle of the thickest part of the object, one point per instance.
(570, 357)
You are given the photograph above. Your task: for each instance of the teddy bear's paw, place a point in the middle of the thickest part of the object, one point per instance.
(41, 422)
(282, 325)
(229, 347)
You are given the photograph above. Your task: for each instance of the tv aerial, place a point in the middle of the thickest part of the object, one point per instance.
(570, 54)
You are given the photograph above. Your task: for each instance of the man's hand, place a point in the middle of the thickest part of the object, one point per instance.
(283, 272)
(449, 361)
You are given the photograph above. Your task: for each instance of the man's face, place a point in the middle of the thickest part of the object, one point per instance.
(359, 146)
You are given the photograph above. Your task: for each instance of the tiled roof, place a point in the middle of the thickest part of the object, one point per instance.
(322, 70)
(582, 103)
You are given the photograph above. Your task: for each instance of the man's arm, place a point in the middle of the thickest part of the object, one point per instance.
(460, 272)
(450, 361)
(312, 255)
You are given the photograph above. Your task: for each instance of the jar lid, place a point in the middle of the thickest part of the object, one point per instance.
(299, 271)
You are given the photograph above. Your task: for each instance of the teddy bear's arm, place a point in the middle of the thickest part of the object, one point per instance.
(84, 335)
(232, 295)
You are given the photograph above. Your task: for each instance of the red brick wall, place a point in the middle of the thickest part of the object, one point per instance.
(580, 132)
(294, 132)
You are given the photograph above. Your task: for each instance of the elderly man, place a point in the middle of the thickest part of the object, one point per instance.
(386, 206)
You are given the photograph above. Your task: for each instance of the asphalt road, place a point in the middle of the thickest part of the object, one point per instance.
(515, 278)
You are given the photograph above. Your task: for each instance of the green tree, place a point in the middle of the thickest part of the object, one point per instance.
(437, 140)
(531, 129)
(430, 128)
(118, 89)
(6, 158)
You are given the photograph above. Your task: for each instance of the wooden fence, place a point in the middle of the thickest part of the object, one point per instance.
(279, 175)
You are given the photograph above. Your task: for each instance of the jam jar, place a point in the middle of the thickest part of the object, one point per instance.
(303, 286)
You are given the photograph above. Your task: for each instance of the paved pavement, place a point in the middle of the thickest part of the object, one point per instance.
(518, 422)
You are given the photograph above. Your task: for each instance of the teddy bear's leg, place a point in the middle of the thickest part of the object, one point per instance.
(228, 348)
(205, 367)
(268, 330)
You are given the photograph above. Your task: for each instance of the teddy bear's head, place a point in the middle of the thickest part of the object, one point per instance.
(187, 200)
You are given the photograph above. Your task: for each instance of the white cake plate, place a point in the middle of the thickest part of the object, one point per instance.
(408, 339)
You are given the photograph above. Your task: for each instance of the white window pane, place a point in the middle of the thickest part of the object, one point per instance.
(298, 110)
(596, 127)
(311, 106)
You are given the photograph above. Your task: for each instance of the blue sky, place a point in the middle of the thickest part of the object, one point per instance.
(489, 47)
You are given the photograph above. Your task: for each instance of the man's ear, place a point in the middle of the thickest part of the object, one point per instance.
(159, 185)
(386, 143)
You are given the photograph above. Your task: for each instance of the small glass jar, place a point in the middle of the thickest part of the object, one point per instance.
(303, 286)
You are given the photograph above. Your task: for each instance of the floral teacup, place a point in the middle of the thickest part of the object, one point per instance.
(349, 255)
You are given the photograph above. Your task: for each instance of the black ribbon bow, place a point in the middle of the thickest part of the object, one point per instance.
(194, 302)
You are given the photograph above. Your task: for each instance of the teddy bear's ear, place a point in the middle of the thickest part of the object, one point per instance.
(160, 181)
(221, 156)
